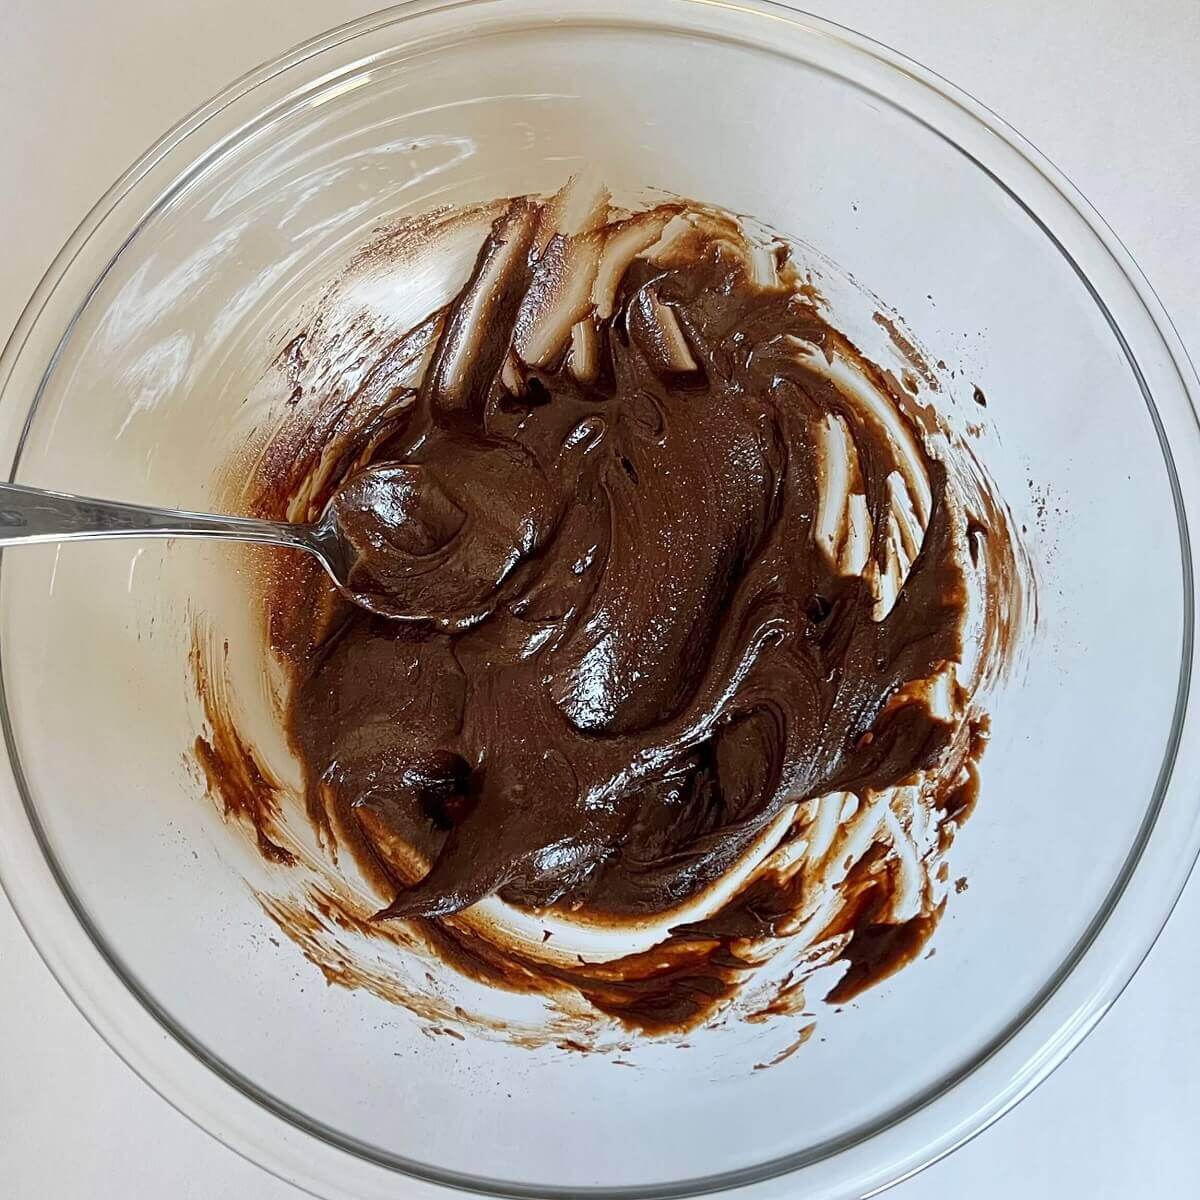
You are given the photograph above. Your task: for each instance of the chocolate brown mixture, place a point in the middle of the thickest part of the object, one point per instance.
(620, 650)
(654, 596)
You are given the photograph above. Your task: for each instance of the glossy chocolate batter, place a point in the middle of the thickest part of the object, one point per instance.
(625, 625)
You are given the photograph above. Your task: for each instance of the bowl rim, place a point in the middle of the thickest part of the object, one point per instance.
(295, 1148)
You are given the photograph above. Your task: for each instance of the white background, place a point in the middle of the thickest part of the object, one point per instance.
(1109, 90)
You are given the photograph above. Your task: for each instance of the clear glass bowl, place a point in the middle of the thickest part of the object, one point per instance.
(126, 377)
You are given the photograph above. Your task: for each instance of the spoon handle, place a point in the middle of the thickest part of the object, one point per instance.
(30, 515)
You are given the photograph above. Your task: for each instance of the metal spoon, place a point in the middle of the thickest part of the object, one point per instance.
(29, 515)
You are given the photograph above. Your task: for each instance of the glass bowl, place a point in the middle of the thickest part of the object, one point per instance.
(127, 376)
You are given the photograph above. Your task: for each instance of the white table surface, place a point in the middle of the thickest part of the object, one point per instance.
(1109, 90)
